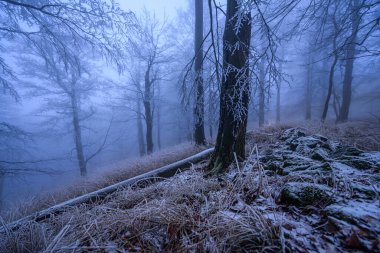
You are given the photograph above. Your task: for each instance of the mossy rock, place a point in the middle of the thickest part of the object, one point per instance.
(358, 162)
(335, 146)
(293, 168)
(293, 159)
(308, 142)
(275, 166)
(324, 167)
(316, 177)
(353, 151)
(320, 154)
(270, 158)
(291, 134)
(369, 191)
(304, 194)
(320, 137)
(363, 214)
(311, 141)
(302, 149)
(347, 151)
(373, 157)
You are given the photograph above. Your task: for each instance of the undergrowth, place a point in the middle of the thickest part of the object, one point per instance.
(115, 173)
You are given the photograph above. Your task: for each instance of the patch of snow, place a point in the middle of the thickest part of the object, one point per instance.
(341, 168)
(365, 213)
(372, 156)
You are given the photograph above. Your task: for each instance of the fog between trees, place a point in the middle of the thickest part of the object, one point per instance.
(86, 84)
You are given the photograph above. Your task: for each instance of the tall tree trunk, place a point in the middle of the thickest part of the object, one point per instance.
(309, 87)
(78, 136)
(331, 84)
(140, 129)
(278, 95)
(210, 112)
(189, 129)
(331, 76)
(148, 111)
(324, 81)
(235, 91)
(199, 134)
(278, 104)
(336, 103)
(261, 93)
(350, 57)
(158, 110)
(158, 128)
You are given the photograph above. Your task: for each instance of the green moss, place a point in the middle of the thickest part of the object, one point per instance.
(303, 194)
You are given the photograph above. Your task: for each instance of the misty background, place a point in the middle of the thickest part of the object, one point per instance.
(38, 133)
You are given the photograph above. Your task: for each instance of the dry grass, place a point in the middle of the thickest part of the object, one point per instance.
(115, 173)
(364, 134)
(186, 213)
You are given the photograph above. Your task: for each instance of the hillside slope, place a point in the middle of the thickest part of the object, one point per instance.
(298, 191)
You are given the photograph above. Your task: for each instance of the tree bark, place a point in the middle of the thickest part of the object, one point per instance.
(78, 136)
(199, 133)
(331, 75)
(350, 57)
(158, 110)
(336, 102)
(210, 113)
(278, 96)
(331, 84)
(261, 93)
(278, 104)
(140, 130)
(148, 111)
(309, 87)
(235, 91)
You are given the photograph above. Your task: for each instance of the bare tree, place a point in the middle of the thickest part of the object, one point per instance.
(350, 49)
(278, 97)
(235, 90)
(309, 84)
(262, 92)
(66, 86)
(140, 129)
(102, 25)
(157, 105)
(148, 48)
(335, 35)
(65, 25)
(199, 133)
(264, 67)
(358, 23)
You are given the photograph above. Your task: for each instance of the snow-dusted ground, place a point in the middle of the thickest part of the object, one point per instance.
(294, 193)
(328, 193)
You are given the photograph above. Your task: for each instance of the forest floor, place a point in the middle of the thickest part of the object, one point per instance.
(301, 189)
(104, 177)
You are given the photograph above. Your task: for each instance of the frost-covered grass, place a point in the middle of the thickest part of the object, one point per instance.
(364, 134)
(117, 172)
(256, 207)
(185, 213)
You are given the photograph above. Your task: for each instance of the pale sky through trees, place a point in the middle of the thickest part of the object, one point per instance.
(160, 7)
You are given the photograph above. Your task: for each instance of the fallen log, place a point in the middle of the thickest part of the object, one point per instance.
(163, 172)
